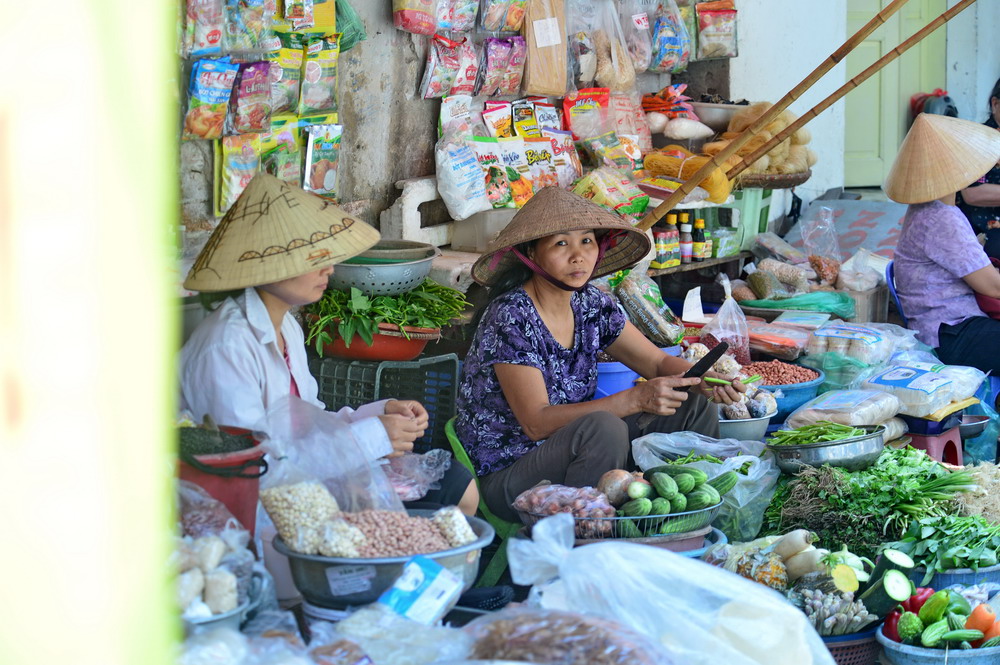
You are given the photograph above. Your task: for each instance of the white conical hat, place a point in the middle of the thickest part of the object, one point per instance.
(939, 156)
(276, 231)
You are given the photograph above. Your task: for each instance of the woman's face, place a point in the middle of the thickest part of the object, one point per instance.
(301, 290)
(569, 257)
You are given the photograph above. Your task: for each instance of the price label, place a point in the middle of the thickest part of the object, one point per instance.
(641, 21)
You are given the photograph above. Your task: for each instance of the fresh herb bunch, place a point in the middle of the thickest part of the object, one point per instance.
(947, 542)
(692, 457)
(865, 508)
(818, 432)
(430, 305)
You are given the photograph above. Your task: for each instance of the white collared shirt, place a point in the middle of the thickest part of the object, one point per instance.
(232, 368)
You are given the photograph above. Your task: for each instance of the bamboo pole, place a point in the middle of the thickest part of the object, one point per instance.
(847, 87)
(719, 160)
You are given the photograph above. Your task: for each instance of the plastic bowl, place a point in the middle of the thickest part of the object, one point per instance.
(747, 429)
(795, 395)
(895, 653)
(716, 116)
(613, 378)
(963, 576)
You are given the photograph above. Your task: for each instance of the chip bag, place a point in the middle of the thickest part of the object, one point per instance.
(247, 26)
(250, 102)
(510, 82)
(286, 78)
(468, 69)
(238, 162)
(496, 58)
(443, 63)
(416, 16)
(208, 98)
(498, 190)
(323, 159)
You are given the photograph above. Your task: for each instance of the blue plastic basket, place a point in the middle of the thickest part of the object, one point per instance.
(794, 395)
(963, 576)
(613, 378)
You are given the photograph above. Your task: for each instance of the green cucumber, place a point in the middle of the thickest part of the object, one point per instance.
(889, 590)
(963, 635)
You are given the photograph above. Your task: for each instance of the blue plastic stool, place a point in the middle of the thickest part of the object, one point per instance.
(890, 280)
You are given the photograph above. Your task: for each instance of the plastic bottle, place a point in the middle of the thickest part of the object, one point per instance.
(709, 245)
(698, 241)
(687, 243)
(673, 242)
(660, 247)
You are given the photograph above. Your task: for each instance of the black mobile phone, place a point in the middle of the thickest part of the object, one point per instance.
(697, 370)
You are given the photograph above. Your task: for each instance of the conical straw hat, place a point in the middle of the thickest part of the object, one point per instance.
(556, 210)
(939, 156)
(276, 231)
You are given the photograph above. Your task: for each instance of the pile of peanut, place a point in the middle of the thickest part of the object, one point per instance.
(777, 373)
(389, 533)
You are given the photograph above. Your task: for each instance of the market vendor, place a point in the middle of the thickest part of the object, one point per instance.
(526, 411)
(939, 265)
(275, 250)
(980, 201)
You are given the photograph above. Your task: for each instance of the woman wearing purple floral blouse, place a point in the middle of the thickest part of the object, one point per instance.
(526, 411)
(939, 265)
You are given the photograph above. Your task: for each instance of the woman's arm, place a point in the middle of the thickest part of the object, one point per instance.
(525, 391)
(985, 281)
(984, 196)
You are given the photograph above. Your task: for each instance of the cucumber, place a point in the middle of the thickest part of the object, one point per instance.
(639, 490)
(674, 470)
(889, 590)
(678, 504)
(933, 633)
(992, 642)
(725, 482)
(963, 635)
(889, 560)
(685, 482)
(638, 508)
(683, 524)
(699, 499)
(628, 529)
(664, 485)
(955, 621)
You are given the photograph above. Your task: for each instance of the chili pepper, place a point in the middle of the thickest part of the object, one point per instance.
(917, 600)
(890, 627)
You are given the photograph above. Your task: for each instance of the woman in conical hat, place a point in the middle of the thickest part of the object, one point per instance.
(274, 250)
(939, 265)
(526, 411)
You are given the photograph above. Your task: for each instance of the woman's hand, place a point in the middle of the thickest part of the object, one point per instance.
(721, 393)
(404, 421)
(663, 395)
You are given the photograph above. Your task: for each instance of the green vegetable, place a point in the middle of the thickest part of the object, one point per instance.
(955, 621)
(700, 477)
(350, 313)
(725, 482)
(678, 504)
(628, 529)
(946, 542)
(685, 482)
(818, 432)
(886, 592)
(699, 499)
(712, 492)
(910, 626)
(637, 507)
(639, 490)
(660, 506)
(933, 610)
(933, 633)
(682, 524)
(664, 485)
(963, 635)
(958, 605)
(992, 642)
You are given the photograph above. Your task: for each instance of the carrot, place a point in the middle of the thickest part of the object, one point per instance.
(982, 618)
(991, 631)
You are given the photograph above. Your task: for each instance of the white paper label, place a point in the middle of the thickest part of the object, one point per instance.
(345, 580)
(841, 400)
(911, 379)
(693, 311)
(547, 32)
(641, 21)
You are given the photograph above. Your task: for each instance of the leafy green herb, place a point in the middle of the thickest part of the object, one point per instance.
(947, 542)
(351, 313)
(818, 432)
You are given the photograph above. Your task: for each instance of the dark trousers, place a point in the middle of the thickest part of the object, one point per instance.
(974, 342)
(578, 454)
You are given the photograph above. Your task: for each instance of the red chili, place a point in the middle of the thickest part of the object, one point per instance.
(917, 600)
(890, 627)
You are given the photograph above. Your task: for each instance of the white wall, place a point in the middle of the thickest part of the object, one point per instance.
(780, 43)
(973, 57)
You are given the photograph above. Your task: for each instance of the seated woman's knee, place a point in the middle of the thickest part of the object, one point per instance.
(605, 428)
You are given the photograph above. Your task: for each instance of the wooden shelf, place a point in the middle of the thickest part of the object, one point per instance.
(707, 263)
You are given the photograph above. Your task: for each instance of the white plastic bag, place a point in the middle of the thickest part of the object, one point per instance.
(923, 388)
(636, 17)
(460, 178)
(743, 507)
(847, 407)
(413, 474)
(723, 618)
(856, 274)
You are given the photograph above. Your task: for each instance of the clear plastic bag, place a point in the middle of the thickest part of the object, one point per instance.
(443, 60)
(870, 343)
(723, 619)
(769, 246)
(413, 475)
(777, 341)
(819, 235)
(857, 274)
(790, 275)
(635, 18)
(671, 40)
(387, 637)
(767, 286)
(921, 388)
(416, 16)
(895, 428)
(203, 515)
(580, 502)
(640, 296)
(728, 325)
(460, 179)
(840, 304)
(580, 28)
(847, 407)
(615, 70)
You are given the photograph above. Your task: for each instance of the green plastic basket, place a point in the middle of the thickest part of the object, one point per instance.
(432, 381)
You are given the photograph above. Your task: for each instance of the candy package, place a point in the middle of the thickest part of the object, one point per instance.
(443, 62)
(238, 162)
(493, 69)
(318, 93)
(416, 16)
(497, 186)
(671, 40)
(203, 28)
(323, 159)
(457, 15)
(523, 115)
(468, 69)
(286, 77)
(567, 161)
(250, 102)
(546, 116)
(208, 98)
(510, 82)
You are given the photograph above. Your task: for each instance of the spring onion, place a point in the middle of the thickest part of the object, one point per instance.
(819, 432)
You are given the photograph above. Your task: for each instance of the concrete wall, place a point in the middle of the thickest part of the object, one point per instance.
(973, 57)
(780, 43)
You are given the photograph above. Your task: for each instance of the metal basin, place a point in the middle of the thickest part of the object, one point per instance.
(386, 270)
(852, 454)
(340, 582)
(973, 426)
(745, 429)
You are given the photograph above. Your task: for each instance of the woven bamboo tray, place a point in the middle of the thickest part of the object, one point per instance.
(772, 181)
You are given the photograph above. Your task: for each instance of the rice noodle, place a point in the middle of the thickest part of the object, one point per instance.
(984, 500)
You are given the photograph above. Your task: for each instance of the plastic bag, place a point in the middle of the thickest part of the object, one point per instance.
(767, 286)
(723, 619)
(635, 17)
(239, 161)
(565, 157)
(580, 502)
(983, 448)
(510, 80)
(922, 388)
(819, 235)
(608, 188)
(770, 246)
(559, 638)
(840, 304)
(791, 276)
(546, 67)
(493, 14)
(860, 276)
(777, 341)
(871, 343)
(387, 637)
(203, 28)
(894, 429)
(416, 16)
(443, 59)
(209, 91)
(323, 159)
(493, 68)
(671, 40)
(203, 515)
(455, 15)
(640, 296)
(728, 325)
(350, 26)
(460, 177)
(413, 475)
(615, 70)
(248, 26)
(847, 407)
(318, 92)
(716, 30)
(583, 59)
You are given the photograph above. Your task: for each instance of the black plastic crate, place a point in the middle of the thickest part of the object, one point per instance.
(432, 381)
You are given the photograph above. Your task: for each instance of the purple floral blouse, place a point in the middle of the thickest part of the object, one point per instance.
(511, 332)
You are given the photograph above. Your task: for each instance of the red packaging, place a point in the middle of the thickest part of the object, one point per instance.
(584, 101)
(468, 69)
(416, 16)
(443, 58)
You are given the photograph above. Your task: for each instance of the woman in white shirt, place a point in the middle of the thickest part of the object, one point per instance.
(275, 250)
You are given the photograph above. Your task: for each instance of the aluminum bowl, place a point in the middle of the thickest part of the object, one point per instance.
(716, 116)
(376, 273)
(973, 426)
(340, 582)
(746, 429)
(853, 454)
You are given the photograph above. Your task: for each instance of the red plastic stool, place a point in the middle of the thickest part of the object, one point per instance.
(944, 447)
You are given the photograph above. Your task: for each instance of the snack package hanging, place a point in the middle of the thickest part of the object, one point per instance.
(203, 28)
(208, 98)
(583, 59)
(497, 186)
(286, 77)
(671, 40)
(728, 325)
(499, 120)
(514, 18)
(250, 102)
(819, 235)
(847, 407)
(443, 62)
(615, 70)
(318, 93)
(634, 16)
(743, 507)
(281, 152)
(510, 82)
(625, 109)
(238, 160)
(640, 296)
(567, 161)
(248, 26)
(493, 68)
(716, 29)
(323, 159)
(494, 13)
(512, 157)
(546, 116)
(541, 162)
(460, 178)
(457, 15)
(546, 69)
(468, 69)
(416, 16)
(597, 136)
(607, 187)
(724, 619)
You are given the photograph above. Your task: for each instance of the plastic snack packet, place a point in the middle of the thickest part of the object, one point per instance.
(323, 159)
(496, 57)
(497, 185)
(208, 98)
(416, 16)
(239, 162)
(468, 69)
(203, 27)
(286, 78)
(250, 103)
(510, 82)
(318, 93)
(443, 62)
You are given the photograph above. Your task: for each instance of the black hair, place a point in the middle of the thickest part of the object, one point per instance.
(989, 102)
(211, 300)
(512, 277)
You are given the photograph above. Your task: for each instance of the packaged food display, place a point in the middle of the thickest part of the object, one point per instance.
(443, 64)
(615, 70)
(847, 407)
(567, 161)
(248, 25)
(920, 392)
(778, 341)
(208, 98)
(894, 429)
(318, 92)
(671, 40)
(203, 27)
(512, 156)
(607, 188)
(871, 343)
(546, 68)
(769, 245)
(239, 162)
(786, 273)
(514, 18)
(522, 113)
(496, 58)
(541, 162)
(716, 29)
(457, 15)
(323, 159)
(250, 102)
(497, 185)
(468, 69)
(640, 296)
(416, 16)
(286, 78)
(804, 320)
(742, 291)
(635, 18)
(460, 178)
(494, 13)
(767, 287)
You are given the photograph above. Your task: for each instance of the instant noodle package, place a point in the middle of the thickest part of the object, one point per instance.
(318, 92)
(416, 16)
(208, 98)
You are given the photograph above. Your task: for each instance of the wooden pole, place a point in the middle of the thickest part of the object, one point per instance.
(847, 87)
(719, 160)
